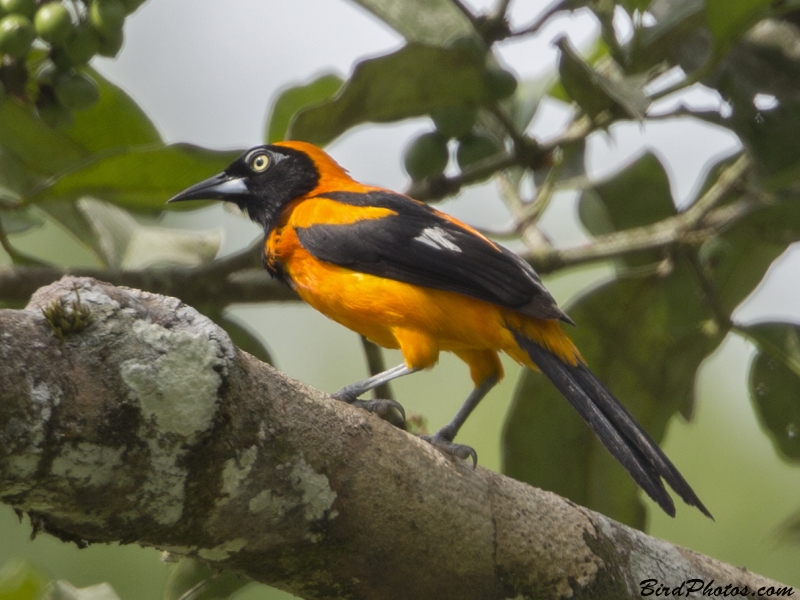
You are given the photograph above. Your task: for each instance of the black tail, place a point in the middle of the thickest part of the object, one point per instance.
(619, 432)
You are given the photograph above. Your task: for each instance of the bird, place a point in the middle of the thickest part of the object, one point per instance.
(408, 276)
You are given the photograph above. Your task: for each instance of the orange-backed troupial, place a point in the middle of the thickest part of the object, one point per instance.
(410, 277)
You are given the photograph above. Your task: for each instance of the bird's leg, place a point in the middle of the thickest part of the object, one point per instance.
(443, 439)
(384, 408)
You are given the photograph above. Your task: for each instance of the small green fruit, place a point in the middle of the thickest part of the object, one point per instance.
(107, 16)
(16, 36)
(426, 156)
(53, 23)
(26, 8)
(61, 59)
(47, 73)
(475, 147)
(77, 91)
(110, 44)
(82, 45)
(454, 121)
(53, 114)
(500, 83)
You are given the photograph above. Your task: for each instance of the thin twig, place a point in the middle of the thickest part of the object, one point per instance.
(501, 9)
(726, 181)
(533, 237)
(440, 187)
(534, 209)
(540, 22)
(198, 285)
(581, 126)
(437, 188)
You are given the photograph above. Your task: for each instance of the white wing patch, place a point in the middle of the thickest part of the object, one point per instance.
(438, 238)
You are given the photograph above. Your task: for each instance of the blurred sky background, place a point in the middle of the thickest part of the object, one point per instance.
(206, 71)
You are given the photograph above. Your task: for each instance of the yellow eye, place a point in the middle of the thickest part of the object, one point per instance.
(260, 163)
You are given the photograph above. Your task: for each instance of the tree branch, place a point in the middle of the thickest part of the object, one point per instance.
(209, 283)
(696, 224)
(147, 425)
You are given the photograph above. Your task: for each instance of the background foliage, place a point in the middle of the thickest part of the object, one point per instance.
(660, 290)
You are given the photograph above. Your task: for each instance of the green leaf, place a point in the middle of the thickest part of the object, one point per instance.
(727, 19)
(17, 221)
(112, 152)
(433, 22)
(73, 220)
(292, 99)
(139, 178)
(126, 244)
(558, 92)
(63, 590)
(522, 106)
(677, 21)
(765, 63)
(739, 258)
(113, 122)
(410, 82)
(112, 226)
(596, 93)
(15, 178)
(644, 339)
(774, 383)
(40, 149)
(160, 246)
(772, 138)
(581, 82)
(636, 196)
(116, 120)
(19, 580)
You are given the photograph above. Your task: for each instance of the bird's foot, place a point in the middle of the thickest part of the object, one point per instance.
(388, 410)
(441, 443)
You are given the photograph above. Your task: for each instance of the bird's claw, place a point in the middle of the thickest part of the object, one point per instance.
(444, 445)
(388, 410)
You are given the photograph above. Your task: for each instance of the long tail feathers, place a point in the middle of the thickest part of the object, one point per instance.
(618, 431)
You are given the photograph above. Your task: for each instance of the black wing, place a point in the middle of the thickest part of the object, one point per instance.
(419, 246)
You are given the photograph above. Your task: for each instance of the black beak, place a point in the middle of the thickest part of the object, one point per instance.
(219, 187)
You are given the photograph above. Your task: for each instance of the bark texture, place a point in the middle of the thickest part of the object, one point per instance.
(147, 425)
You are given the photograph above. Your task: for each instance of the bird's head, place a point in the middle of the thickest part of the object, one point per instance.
(262, 181)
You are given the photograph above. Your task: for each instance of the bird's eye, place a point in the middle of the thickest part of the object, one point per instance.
(260, 163)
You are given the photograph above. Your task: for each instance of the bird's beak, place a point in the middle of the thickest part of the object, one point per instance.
(219, 187)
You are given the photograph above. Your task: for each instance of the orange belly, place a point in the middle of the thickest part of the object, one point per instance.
(419, 321)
